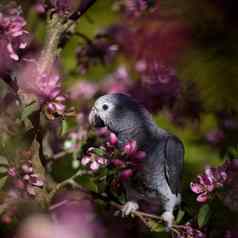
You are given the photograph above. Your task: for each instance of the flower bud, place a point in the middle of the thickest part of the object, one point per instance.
(113, 139)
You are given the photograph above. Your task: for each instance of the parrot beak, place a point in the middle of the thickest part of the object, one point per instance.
(94, 119)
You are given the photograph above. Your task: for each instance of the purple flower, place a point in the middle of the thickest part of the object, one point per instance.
(94, 165)
(160, 81)
(40, 7)
(113, 139)
(63, 7)
(118, 163)
(126, 174)
(25, 179)
(130, 148)
(13, 31)
(136, 8)
(99, 50)
(215, 136)
(83, 90)
(93, 161)
(13, 36)
(211, 179)
(45, 85)
(27, 168)
(85, 160)
(189, 232)
(118, 82)
(36, 181)
(12, 172)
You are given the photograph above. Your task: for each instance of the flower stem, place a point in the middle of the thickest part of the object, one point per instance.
(55, 28)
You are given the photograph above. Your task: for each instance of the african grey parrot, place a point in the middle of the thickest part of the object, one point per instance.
(159, 180)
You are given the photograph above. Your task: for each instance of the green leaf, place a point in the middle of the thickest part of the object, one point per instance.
(87, 182)
(3, 181)
(64, 127)
(155, 226)
(180, 216)
(99, 152)
(29, 109)
(203, 215)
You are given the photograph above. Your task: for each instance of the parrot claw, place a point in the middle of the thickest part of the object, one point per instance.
(129, 208)
(168, 217)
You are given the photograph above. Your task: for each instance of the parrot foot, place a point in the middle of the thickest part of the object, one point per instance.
(129, 208)
(168, 217)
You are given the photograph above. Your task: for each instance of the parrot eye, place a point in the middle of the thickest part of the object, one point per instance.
(105, 107)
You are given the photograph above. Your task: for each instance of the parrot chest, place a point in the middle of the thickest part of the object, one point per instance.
(149, 180)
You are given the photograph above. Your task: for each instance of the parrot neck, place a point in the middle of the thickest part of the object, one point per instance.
(142, 136)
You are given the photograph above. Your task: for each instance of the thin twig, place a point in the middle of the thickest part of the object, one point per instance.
(83, 8)
(64, 153)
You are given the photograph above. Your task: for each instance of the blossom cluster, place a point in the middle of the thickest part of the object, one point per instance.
(188, 231)
(136, 8)
(25, 179)
(62, 7)
(208, 182)
(45, 87)
(99, 50)
(93, 160)
(125, 160)
(215, 137)
(14, 36)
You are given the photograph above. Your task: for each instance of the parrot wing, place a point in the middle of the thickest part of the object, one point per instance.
(174, 157)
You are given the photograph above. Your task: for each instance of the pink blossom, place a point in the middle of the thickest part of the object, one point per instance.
(83, 89)
(113, 139)
(211, 179)
(19, 184)
(196, 188)
(189, 231)
(93, 161)
(118, 163)
(215, 136)
(35, 180)
(12, 172)
(130, 148)
(126, 174)
(118, 82)
(13, 31)
(136, 7)
(27, 168)
(63, 7)
(40, 7)
(85, 160)
(45, 85)
(13, 38)
(94, 166)
(101, 161)
(103, 132)
(203, 197)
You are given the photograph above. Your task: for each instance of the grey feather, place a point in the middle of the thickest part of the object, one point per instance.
(174, 154)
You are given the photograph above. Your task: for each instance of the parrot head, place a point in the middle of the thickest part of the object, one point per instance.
(102, 111)
(125, 117)
(117, 112)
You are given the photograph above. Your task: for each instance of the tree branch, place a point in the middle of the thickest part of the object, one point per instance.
(83, 8)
